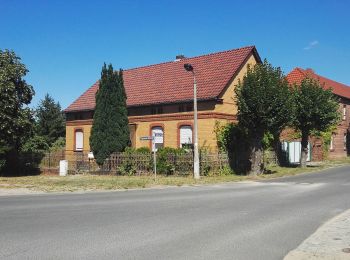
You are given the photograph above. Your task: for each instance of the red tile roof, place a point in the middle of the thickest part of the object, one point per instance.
(169, 82)
(298, 74)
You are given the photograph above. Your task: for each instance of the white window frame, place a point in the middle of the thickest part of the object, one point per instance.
(344, 112)
(331, 145)
(344, 140)
(158, 141)
(181, 132)
(79, 144)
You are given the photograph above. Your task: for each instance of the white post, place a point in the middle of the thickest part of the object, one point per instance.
(63, 167)
(154, 158)
(196, 153)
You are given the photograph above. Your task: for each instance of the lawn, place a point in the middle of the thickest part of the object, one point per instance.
(107, 182)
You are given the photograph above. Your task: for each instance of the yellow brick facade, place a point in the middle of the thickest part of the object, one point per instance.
(228, 97)
(141, 120)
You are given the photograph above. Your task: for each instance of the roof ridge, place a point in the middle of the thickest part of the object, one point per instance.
(320, 76)
(301, 70)
(199, 56)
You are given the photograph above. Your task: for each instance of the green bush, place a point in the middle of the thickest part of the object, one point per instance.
(143, 150)
(58, 145)
(166, 159)
(129, 167)
(225, 171)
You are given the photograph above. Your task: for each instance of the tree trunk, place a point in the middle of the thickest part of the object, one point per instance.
(277, 147)
(304, 148)
(256, 156)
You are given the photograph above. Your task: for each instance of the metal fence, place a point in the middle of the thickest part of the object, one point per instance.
(134, 163)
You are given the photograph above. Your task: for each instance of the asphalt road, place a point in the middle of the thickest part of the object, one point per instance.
(260, 220)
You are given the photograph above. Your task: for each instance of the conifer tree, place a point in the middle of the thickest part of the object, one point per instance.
(110, 129)
(50, 120)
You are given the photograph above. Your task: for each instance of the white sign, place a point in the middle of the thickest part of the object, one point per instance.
(145, 138)
(91, 155)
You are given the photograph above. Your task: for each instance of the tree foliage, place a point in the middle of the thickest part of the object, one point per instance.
(110, 129)
(264, 104)
(15, 117)
(316, 109)
(50, 122)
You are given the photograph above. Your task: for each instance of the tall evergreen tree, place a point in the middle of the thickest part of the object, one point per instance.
(317, 109)
(50, 120)
(264, 105)
(110, 129)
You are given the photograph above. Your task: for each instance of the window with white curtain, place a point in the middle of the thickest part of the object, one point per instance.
(79, 140)
(331, 146)
(158, 135)
(185, 135)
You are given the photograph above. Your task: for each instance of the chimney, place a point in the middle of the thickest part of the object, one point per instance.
(179, 57)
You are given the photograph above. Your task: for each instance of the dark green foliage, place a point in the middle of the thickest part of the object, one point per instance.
(316, 109)
(58, 145)
(131, 158)
(15, 117)
(143, 150)
(50, 122)
(35, 144)
(110, 129)
(234, 140)
(264, 105)
(166, 160)
(264, 100)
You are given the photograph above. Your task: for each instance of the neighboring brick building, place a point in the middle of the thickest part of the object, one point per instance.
(339, 144)
(160, 99)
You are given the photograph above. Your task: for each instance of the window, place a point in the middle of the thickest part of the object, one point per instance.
(331, 145)
(79, 140)
(158, 135)
(156, 110)
(344, 112)
(185, 136)
(344, 141)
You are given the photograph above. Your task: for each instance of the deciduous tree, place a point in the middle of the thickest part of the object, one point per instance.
(15, 117)
(264, 104)
(317, 109)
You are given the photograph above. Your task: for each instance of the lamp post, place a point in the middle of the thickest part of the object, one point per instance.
(189, 67)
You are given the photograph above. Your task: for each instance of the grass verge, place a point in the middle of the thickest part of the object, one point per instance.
(108, 182)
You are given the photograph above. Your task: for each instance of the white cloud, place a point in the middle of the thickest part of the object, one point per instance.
(311, 45)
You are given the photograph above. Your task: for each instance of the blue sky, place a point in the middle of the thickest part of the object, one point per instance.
(64, 43)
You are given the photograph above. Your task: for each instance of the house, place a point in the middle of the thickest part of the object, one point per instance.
(160, 100)
(338, 146)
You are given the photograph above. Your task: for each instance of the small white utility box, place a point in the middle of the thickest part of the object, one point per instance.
(90, 155)
(63, 167)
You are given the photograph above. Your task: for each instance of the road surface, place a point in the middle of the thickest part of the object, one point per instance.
(252, 220)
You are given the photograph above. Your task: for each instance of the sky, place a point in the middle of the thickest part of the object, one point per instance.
(65, 43)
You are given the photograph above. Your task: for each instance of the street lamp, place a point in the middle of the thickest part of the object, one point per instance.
(189, 67)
